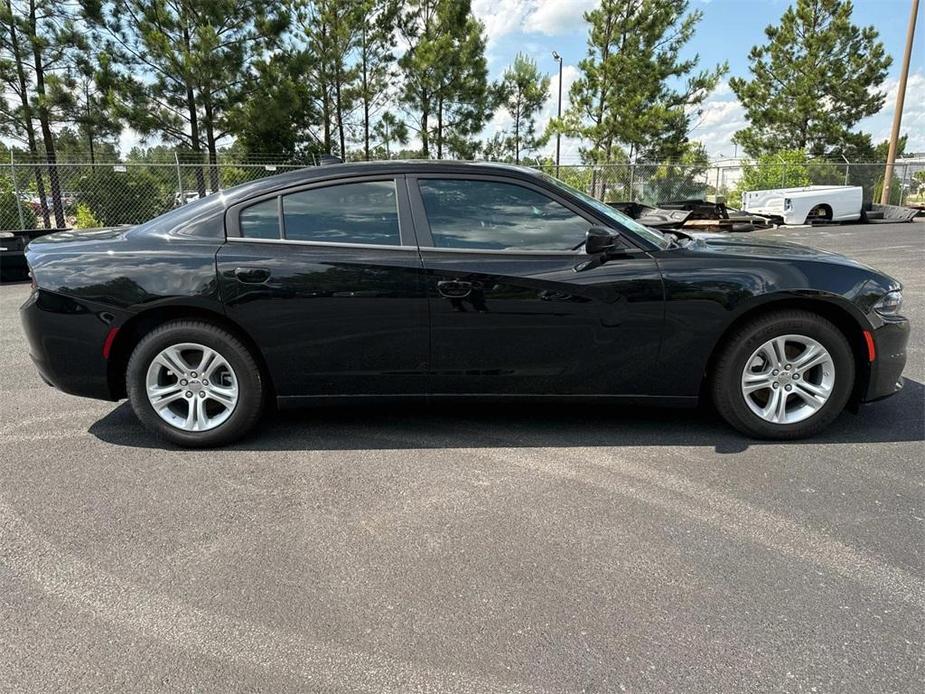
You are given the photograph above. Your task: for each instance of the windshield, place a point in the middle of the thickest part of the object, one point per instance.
(618, 218)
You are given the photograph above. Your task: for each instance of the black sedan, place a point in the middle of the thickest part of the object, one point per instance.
(442, 280)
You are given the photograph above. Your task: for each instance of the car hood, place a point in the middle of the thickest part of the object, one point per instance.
(756, 247)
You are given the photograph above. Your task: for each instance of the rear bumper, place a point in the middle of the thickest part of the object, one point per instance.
(890, 341)
(65, 339)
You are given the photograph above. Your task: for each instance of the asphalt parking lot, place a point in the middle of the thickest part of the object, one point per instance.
(543, 548)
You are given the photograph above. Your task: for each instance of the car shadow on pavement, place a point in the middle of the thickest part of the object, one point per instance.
(531, 424)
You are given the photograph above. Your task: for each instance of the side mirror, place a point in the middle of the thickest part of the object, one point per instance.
(600, 240)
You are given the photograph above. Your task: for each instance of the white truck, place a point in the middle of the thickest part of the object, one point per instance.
(807, 204)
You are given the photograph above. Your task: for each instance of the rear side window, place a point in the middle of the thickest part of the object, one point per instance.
(261, 221)
(364, 213)
(493, 215)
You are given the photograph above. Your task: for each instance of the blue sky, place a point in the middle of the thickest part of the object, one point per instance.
(727, 32)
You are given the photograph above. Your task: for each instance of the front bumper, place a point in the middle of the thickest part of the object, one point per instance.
(885, 378)
(65, 339)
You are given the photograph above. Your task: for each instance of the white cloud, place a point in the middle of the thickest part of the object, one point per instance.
(550, 17)
(721, 116)
(501, 16)
(913, 120)
(556, 17)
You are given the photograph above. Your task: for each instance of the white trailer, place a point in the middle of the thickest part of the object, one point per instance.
(807, 204)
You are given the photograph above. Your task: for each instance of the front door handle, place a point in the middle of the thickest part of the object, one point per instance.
(454, 289)
(252, 275)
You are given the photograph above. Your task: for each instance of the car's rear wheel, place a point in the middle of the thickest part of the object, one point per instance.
(194, 384)
(785, 375)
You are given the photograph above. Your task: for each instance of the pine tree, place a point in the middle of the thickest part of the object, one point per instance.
(331, 29)
(279, 114)
(375, 62)
(521, 92)
(813, 79)
(177, 66)
(390, 129)
(627, 101)
(39, 43)
(445, 73)
(87, 105)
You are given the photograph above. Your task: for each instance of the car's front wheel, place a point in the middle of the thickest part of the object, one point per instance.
(194, 384)
(785, 375)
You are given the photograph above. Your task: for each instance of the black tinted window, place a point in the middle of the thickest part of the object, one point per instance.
(496, 216)
(345, 213)
(261, 221)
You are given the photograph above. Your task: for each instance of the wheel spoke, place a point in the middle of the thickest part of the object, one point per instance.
(173, 361)
(755, 382)
(813, 401)
(223, 396)
(208, 363)
(811, 357)
(162, 397)
(780, 408)
(779, 347)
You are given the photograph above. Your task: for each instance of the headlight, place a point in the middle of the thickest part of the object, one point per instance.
(787, 203)
(889, 303)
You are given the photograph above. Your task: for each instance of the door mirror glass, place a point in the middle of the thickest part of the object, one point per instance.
(601, 240)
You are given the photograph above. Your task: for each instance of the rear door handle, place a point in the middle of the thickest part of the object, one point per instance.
(252, 275)
(454, 289)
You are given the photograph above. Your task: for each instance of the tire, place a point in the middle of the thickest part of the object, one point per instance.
(745, 363)
(230, 405)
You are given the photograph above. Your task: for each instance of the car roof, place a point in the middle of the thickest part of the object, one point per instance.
(349, 169)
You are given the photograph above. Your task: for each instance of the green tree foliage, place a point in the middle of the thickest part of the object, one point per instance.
(9, 215)
(280, 114)
(84, 218)
(177, 66)
(683, 179)
(129, 197)
(39, 43)
(813, 79)
(330, 29)
(376, 71)
(635, 92)
(521, 93)
(390, 129)
(785, 169)
(72, 145)
(445, 73)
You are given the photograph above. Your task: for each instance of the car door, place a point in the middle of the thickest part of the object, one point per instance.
(328, 281)
(515, 307)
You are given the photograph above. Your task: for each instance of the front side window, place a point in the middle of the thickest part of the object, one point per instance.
(365, 212)
(494, 215)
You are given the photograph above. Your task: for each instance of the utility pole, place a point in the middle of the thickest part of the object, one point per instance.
(898, 114)
(558, 59)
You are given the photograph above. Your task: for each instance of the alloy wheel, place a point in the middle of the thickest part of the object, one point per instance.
(788, 379)
(191, 387)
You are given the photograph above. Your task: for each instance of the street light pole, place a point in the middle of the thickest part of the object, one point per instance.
(898, 114)
(558, 59)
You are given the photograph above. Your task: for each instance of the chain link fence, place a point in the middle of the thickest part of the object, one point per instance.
(34, 195)
(654, 183)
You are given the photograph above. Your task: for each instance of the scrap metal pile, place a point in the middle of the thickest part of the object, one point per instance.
(696, 215)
